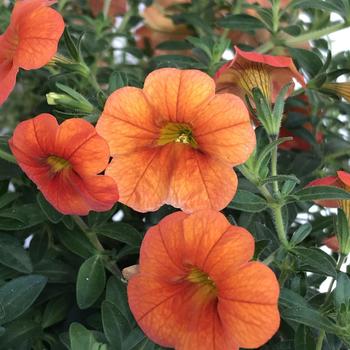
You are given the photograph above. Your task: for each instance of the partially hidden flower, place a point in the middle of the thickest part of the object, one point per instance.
(29, 42)
(116, 7)
(63, 161)
(249, 70)
(175, 141)
(332, 243)
(197, 288)
(340, 89)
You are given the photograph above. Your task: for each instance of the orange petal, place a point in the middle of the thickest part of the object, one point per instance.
(142, 177)
(202, 231)
(198, 181)
(161, 253)
(71, 194)
(344, 178)
(223, 129)
(8, 73)
(128, 122)
(248, 304)
(234, 249)
(177, 94)
(39, 31)
(34, 138)
(158, 308)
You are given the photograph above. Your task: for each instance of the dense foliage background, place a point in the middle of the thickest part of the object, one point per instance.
(61, 289)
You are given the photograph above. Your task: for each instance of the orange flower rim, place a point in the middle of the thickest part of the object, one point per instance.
(29, 42)
(63, 160)
(175, 141)
(249, 70)
(197, 289)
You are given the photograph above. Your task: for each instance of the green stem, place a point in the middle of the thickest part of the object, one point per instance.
(265, 47)
(316, 34)
(335, 155)
(106, 7)
(274, 170)
(7, 156)
(279, 225)
(322, 334)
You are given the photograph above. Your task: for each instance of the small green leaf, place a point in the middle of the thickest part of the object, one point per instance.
(83, 339)
(295, 308)
(320, 192)
(242, 22)
(55, 311)
(342, 291)
(7, 198)
(315, 260)
(13, 255)
(308, 60)
(90, 282)
(121, 232)
(247, 201)
(18, 295)
(300, 234)
(280, 178)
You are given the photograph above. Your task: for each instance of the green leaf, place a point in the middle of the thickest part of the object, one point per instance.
(90, 282)
(76, 242)
(300, 234)
(55, 270)
(308, 60)
(83, 339)
(342, 291)
(7, 198)
(70, 45)
(343, 232)
(315, 260)
(38, 246)
(18, 295)
(320, 192)
(247, 201)
(296, 309)
(304, 339)
(243, 22)
(135, 338)
(176, 61)
(13, 255)
(121, 232)
(115, 326)
(280, 178)
(56, 311)
(51, 213)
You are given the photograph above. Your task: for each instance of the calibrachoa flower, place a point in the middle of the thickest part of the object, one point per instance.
(249, 70)
(29, 42)
(63, 160)
(175, 141)
(117, 7)
(197, 288)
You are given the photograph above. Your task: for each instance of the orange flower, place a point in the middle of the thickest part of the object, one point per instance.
(29, 42)
(175, 141)
(267, 3)
(332, 243)
(249, 70)
(197, 289)
(117, 7)
(63, 160)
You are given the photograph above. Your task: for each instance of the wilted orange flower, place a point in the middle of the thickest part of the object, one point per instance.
(117, 7)
(63, 160)
(249, 70)
(29, 42)
(197, 288)
(175, 141)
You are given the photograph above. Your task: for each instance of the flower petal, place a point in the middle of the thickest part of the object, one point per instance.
(142, 177)
(223, 129)
(39, 31)
(248, 304)
(344, 177)
(176, 94)
(8, 74)
(198, 179)
(128, 122)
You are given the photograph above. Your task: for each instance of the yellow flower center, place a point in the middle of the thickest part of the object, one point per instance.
(57, 163)
(177, 132)
(254, 76)
(197, 276)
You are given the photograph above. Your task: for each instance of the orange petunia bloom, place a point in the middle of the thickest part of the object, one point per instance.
(197, 288)
(29, 42)
(249, 70)
(175, 141)
(63, 160)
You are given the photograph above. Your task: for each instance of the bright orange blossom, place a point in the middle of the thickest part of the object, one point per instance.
(63, 160)
(175, 141)
(197, 288)
(29, 42)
